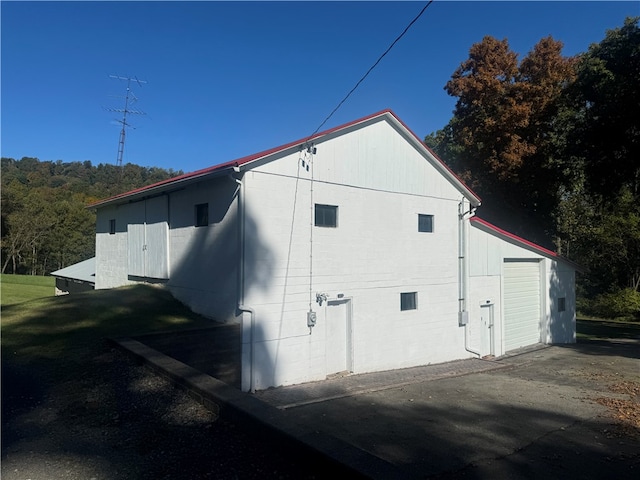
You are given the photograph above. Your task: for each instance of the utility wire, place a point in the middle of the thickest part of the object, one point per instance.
(372, 67)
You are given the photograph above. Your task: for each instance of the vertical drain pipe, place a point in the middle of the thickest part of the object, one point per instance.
(242, 308)
(252, 315)
(463, 314)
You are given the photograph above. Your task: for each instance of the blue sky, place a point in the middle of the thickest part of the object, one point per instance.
(228, 79)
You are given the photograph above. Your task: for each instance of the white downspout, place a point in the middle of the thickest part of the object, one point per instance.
(242, 308)
(252, 314)
(463, 288)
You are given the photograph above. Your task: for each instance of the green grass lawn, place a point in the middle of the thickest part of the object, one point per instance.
(57, 336)
(22, 288)
(598, 329)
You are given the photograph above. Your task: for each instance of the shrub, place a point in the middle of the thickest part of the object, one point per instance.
(623, 303)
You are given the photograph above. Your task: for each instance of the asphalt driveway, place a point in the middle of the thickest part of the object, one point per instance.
(544, 413)
(565, 412)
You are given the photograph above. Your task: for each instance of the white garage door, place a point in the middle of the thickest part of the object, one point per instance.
(521, 303)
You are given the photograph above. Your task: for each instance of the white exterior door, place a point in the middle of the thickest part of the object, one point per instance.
(148, 253)
(521, 303)
(136, 249)
(337, 339)
(486, 330)
(157, 256)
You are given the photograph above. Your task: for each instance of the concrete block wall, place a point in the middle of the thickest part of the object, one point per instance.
(380, 183)
(205, 260)
(112, 249)
(486, 255)
(375, 254)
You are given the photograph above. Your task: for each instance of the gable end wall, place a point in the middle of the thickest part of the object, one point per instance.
(380, 184)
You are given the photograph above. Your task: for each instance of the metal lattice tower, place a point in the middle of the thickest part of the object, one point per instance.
(129, 99)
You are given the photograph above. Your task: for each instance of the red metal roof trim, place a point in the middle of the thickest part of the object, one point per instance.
(515, 237)
(168, 181)
(535, 246)
(522, 241)
(256, 156)
(453, 174)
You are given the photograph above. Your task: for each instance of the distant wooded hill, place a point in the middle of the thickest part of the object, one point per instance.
(45, 223)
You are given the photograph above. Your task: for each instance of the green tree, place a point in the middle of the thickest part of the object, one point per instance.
(72, 238)
(28, 226)
(45, 222)
(599, 217)
(607, 111)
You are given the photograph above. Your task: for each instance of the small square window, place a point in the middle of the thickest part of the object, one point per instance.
(425, 223)
(112, 226)
(202, 215)
(562, 304)
(326, 215)
(409, 301)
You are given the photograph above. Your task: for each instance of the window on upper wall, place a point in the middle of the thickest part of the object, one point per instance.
(562, 304)
(326, 215)
(202, 215)
(409, 301)
(425, 223)
(112, 226)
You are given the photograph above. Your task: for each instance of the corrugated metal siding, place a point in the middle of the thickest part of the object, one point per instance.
(521, 304)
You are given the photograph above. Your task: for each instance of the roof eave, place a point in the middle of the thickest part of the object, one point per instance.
(172, 184)
(512, 238)
(246, 163)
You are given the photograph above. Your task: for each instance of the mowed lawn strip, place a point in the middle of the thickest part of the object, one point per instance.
(55, 337)
(22, 288)
(598, 329)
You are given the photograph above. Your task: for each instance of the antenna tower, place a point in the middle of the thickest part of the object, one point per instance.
(129, 99)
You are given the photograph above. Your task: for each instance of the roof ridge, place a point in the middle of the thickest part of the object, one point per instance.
(302, 141)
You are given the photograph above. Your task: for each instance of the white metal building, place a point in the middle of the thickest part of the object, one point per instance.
(355, 250)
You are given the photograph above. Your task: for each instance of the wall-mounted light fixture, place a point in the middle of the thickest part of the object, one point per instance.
(321, 297)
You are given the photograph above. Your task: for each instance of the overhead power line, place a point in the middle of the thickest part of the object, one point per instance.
(372, 67)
